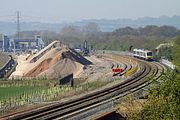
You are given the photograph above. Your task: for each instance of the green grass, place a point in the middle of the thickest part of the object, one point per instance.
(14, 91)
(15, 88)
(97, 84)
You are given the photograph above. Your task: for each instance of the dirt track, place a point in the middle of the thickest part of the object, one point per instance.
(100, 70)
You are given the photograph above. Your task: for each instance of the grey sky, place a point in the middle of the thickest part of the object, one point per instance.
(71, 10)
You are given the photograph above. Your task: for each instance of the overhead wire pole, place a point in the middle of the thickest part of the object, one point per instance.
(18, 28)
(18, 25)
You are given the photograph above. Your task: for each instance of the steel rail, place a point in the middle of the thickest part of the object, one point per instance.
(48, 107)
(61, 109)
(157, 74)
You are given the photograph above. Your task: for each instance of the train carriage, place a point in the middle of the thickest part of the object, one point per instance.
(143, 54)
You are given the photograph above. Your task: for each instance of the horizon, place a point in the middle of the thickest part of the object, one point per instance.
(68, 22)
(105, 25)
(69, 11)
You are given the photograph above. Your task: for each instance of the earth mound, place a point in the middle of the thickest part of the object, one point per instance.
(54, 61)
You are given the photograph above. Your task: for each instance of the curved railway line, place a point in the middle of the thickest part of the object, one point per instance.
(73, 107)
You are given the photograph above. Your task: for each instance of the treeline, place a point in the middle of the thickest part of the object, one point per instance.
(147, 37)
(149, 30)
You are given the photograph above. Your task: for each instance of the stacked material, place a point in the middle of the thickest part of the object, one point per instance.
(54, 61)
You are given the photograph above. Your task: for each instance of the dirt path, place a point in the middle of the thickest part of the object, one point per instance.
(99, 70)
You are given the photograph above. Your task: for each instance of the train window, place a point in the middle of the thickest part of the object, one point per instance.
(137, 53)
(149, 53)
(144, 54)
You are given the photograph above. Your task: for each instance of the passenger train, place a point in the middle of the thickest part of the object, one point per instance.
(143, 54)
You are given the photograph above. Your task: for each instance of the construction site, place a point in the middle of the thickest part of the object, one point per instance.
(57, 61)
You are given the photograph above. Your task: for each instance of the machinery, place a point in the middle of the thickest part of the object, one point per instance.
(143, 54)
(85, 49)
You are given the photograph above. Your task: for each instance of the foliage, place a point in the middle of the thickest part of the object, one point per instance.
(164, 96)
(176, 52)
(165, 53)
(147, 37)
(130, 108)
(163, 100)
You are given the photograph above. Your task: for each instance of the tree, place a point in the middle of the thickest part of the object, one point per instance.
(163, 100)
(91, 28)
(176, 52)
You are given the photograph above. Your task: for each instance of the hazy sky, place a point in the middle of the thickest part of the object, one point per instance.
(72, 10)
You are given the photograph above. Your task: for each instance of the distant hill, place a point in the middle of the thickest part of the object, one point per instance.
(149, 30)
(105, 25)
(110, 25)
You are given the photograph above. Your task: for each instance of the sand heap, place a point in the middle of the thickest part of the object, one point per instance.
(55, 60)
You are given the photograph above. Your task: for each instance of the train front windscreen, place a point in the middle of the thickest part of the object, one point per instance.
(149, 53)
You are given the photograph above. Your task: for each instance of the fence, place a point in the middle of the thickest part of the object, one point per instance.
(115, 52)
(167, 63)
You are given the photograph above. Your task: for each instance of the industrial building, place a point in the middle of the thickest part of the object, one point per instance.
(21, 44)
(4, 43)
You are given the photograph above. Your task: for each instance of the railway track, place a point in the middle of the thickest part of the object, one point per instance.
(68, 109)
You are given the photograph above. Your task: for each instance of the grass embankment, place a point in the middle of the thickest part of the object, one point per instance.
(15, 94)
(3, 59)
(14, 88)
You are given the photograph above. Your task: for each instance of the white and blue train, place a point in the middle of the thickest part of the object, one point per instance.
(143, 54)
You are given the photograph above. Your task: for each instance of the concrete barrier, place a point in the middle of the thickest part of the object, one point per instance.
(167, 63)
